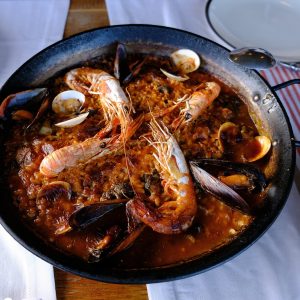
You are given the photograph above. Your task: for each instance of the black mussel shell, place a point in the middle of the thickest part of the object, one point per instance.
(254, 174)
(87, 215)
(217, 188)
(22, 99)
(121, 67)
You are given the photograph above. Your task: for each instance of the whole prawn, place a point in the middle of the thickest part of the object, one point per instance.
(176, 215)
(91, 148)
(111, 96)
(197, 103)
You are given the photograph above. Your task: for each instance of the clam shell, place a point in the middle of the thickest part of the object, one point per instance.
(185, 60)
(73, 122)
(229, 129)
(175, 77)
(54, 190)
(264, 144)
(68, 102)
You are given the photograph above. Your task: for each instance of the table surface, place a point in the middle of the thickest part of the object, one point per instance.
(84, 15)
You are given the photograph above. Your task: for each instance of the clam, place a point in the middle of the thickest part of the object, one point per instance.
(175, 77)
(73, 122)
(257, 148)
(55, 190)
(228, 133)
(254, 149)
(185, 61)
(68, 102)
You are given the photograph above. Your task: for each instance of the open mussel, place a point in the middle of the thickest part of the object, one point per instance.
(255, 178)
(114, 240)
(22, 100)
(214, 186)
(234, 176)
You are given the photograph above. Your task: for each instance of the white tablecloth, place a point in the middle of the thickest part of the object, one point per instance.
(26, 27)
(270, 269)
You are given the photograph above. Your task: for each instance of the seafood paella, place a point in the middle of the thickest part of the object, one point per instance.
(141, 160)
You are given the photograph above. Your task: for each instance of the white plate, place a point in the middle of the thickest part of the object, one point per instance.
(270, 24)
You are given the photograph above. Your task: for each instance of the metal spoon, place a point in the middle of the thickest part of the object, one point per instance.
(253, 58)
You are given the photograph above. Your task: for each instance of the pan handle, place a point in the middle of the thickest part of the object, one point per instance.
(297, 144)
(284, 85)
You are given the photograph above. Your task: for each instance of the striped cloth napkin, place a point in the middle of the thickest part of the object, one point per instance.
(269, 270)
(290, 96)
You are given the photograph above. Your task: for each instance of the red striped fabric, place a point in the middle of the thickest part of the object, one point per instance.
(289, 96)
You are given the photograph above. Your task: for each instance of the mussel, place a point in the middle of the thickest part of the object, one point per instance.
(121, 68)
(212, 185)
(20, 115)
(235, 176)
(22, 99)
(254, 175)
(116, 197)
(87, 215)
(122, 71)
(113, 241)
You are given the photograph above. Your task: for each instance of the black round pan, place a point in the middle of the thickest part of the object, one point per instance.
(263, 104)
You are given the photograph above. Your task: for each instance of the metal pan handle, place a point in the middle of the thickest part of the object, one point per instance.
(284, 85)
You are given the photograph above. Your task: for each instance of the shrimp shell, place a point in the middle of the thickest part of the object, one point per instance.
(176, 215)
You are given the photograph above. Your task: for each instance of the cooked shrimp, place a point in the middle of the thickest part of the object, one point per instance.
(112, 98)
(91, 148)
(198, 102)
(176, 215)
